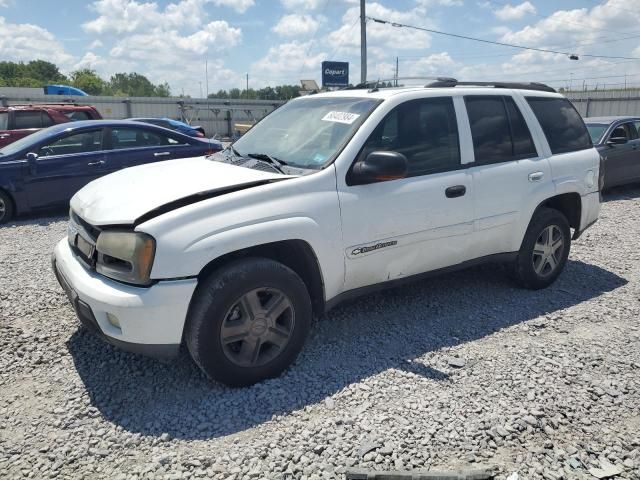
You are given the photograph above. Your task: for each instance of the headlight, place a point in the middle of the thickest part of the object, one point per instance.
(125, 256)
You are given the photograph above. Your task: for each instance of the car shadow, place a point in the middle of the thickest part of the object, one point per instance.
(388, 330)
(41, 218)
(623, 192)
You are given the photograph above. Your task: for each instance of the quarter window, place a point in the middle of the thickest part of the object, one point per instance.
(84, 142)
(425, 131)
(498, 129)
(561, 124)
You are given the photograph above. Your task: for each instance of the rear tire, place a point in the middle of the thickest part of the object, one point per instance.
(6, 207)
(248, 321)
(544, 250)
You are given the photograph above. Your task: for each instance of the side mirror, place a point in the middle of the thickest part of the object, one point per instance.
(380, 166)
(31, 160)
(617, 141)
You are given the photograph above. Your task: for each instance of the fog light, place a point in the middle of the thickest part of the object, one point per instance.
(113, 320)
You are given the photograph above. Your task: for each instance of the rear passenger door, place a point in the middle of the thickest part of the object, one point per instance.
(131, 146)
(509, 172)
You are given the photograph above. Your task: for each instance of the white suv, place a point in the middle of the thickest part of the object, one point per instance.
(330, 196)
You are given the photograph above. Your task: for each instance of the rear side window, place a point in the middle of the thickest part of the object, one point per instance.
(27, 120)
(122, 138)
(499, 131)
(77, 116)
(4, 121)
(561, 123)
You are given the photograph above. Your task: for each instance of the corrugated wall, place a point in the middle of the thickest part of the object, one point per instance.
(216, 116)
(599, 104)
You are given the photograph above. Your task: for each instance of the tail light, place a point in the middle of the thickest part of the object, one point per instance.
(199, 134)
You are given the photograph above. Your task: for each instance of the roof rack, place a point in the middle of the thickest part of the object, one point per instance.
(447, 82)
(452, 82)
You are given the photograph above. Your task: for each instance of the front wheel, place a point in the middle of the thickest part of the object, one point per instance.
(6, 207)
(544, 250)
(248, 321)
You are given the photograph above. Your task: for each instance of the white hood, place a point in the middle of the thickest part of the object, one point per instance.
(124, 196)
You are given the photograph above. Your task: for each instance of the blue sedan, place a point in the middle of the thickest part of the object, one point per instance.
(45, 169)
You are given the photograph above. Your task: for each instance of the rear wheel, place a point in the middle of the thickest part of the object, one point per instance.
(544, 250)
(248, 321)
(6, 207)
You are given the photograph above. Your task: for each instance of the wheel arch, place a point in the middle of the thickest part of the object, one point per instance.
(14, 205)
(298, 255)
(569, 204)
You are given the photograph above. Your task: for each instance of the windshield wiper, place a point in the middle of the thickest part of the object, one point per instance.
(269, 159)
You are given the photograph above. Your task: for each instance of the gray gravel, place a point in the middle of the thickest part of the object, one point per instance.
(460, 371)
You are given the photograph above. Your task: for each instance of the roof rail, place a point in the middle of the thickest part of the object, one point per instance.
(375, 84)
(452, 82)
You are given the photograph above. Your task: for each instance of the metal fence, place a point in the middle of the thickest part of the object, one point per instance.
(218, 117)
(605, 103)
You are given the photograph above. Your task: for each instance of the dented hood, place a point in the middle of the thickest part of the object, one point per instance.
(127, 195)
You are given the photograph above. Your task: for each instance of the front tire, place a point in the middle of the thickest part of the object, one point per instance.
(6, 207)
(248, 321)
(544, 251)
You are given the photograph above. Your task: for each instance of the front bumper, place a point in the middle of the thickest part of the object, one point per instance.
(151, 319)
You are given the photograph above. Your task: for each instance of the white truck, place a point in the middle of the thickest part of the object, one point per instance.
(330, 196)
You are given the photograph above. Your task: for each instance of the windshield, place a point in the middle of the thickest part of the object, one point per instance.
(307, 133)
(596, 130)
(25, 142)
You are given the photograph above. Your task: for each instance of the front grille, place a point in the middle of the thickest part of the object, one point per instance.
(82, 237)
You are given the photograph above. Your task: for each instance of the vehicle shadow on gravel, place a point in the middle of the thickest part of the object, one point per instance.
(623, 192)
(383, 331)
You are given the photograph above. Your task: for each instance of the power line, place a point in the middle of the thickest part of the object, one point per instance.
(572, 56)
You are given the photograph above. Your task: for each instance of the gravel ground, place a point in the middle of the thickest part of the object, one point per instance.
(460, 371)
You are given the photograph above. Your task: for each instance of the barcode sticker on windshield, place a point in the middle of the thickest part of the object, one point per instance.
(341, 117)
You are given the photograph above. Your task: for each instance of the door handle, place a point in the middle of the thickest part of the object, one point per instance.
(455, 191)
(536, 176)
(95, 164)
(161, 154)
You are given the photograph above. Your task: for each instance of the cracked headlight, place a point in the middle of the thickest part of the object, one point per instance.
(125, 256)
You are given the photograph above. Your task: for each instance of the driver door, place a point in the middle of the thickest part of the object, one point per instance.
(398, 228)
(621, 160)
(65, 165)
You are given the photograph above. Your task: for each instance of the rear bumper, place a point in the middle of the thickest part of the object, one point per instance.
(589, 214)
(149, 320)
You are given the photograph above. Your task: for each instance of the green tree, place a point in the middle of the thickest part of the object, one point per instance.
(88, 81)
(43, 71)
(134, 85)
(163, 90)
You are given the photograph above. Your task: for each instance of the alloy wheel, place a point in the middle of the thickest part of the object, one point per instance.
(548, 250)
(258, 327)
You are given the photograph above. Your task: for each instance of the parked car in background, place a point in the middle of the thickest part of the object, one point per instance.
(45, 169)
(18, 121)
(618, 141)
(172, 124)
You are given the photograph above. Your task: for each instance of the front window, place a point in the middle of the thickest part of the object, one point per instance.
(596, 131)
(83, 142)
(309, 132)
(4, 121)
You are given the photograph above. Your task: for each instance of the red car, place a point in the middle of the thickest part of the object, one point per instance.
(18, 121)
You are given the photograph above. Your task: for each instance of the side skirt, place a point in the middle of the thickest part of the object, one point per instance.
(358, 292)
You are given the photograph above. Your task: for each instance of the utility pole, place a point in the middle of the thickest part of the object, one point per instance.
(397, 75)
(363, 43)
(247, 86)
(206, 75)
(200, 89)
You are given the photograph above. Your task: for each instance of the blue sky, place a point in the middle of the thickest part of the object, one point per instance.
(283, 41)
